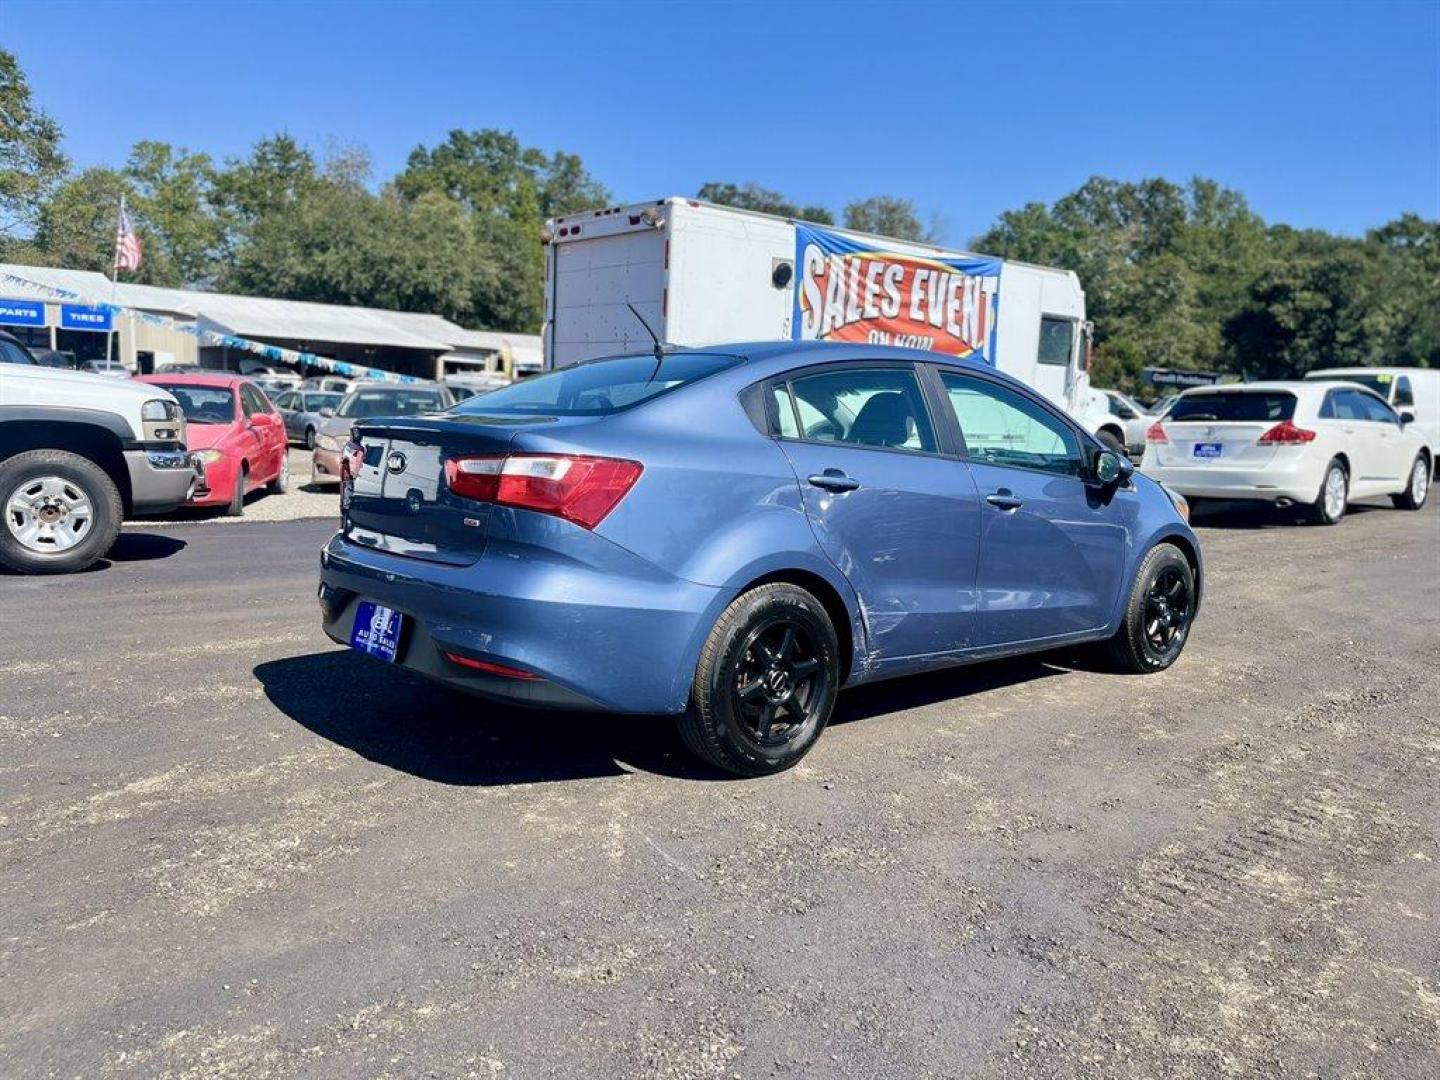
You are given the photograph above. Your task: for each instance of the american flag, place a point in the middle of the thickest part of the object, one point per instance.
(127, 244)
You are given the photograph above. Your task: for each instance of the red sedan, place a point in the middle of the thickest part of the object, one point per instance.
(236, 432)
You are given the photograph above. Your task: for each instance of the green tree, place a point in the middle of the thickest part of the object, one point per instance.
(173, 209)
(506, 191)
(76, 225)
(751, 196)
(885, 215)
(31, 164)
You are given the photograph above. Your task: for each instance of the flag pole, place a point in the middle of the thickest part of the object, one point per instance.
(114, 280)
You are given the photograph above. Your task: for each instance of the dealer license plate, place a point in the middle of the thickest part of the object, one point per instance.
(1207, 449)
(377, 630)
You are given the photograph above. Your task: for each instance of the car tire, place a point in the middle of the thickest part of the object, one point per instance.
(1330, 504)
(766, 682)
(237, 500)
(82, 483)
(281, 484)
(1418, 490)
(1115, 443)
(1158, 613)
(310, 438)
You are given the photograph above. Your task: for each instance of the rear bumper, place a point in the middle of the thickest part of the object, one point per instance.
(596, 638)
(161, 480)
(1299, 483)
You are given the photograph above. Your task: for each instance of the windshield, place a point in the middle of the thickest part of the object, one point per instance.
(316, 402)
(1234, 405)
(203, 404)
(362, 404)
(1379, 383)
(598, 387)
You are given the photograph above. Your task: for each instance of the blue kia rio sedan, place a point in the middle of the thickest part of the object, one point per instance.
(734, 534)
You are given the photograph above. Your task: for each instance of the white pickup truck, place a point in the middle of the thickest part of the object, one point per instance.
(78, 454)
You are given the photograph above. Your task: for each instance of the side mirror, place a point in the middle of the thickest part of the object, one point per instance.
(327, 412)
(1111, 468)
(1406, 417)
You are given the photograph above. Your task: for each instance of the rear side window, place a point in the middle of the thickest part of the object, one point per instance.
(599, 387)
(1239, 406)
(881, 408)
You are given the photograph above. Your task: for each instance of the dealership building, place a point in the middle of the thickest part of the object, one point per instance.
(67, 310)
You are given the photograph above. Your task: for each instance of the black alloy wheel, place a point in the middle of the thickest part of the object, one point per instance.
(1167, 612)
(779, 683)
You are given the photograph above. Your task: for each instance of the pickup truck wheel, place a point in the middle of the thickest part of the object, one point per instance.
(237, 500)
(62, 512)
(765, 684)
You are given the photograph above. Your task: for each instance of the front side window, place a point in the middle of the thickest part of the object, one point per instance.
(1002, 427)
(1376, 410)
(1057, 341)
(881, 408)
(1404, 396)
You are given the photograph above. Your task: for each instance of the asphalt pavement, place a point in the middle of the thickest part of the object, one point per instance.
(230, 848)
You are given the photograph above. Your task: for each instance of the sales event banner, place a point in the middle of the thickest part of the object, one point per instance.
(849, 291)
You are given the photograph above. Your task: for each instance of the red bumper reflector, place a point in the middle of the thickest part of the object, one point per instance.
(491, 668)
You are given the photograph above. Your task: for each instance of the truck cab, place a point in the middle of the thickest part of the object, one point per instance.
(79, 453)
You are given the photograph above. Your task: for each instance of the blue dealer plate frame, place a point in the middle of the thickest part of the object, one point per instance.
(376, 630)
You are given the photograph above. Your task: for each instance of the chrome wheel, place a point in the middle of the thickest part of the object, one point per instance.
(49, 514)
(1335, 493)
(1420, 481)
(1168, 609)
(780, 683)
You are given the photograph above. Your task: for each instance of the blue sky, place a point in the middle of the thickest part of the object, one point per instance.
(1324, 115)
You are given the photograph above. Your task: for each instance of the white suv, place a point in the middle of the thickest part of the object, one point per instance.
(79, 453)
(1313, 444)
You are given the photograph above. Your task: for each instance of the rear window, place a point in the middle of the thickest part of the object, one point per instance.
(363, 404)
(598, 387)
(1257, 405)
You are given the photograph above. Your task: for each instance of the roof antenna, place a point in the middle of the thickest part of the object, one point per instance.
(659, 347)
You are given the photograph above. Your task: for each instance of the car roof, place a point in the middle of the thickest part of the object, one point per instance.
(186, 378)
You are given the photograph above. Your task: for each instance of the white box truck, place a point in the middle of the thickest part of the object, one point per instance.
(702, 274)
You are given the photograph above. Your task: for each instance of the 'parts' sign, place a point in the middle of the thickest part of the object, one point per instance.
(849, 291)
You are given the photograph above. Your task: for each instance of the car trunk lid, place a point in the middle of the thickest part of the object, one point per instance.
(398, 500)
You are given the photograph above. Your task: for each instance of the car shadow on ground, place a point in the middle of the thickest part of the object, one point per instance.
(396, 719)
(1249, 515)
(129, 547)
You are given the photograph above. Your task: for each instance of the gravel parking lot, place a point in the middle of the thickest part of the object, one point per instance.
(229, 848)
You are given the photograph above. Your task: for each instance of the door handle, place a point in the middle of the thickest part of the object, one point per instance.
(1004, 500)
(833, 480)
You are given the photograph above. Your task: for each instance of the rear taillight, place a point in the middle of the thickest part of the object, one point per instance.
(1156, 433)
(1286, 434)
(575, 487)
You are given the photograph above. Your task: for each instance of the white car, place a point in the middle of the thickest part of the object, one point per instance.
(1312, 444)
(109, 368)
(1407, 389)
(1127, 422)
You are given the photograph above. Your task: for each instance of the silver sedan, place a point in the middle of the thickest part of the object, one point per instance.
(305, 411)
